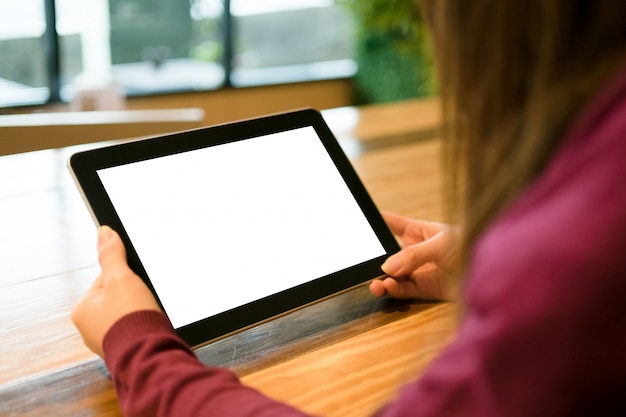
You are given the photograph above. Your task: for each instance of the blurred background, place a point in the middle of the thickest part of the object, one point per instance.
(51, 50)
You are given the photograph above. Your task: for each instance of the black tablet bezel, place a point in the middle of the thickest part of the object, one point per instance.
(84, 166)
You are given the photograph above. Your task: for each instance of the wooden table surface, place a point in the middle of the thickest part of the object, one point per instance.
(345, 356)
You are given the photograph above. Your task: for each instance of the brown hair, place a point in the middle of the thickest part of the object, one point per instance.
(512, 76)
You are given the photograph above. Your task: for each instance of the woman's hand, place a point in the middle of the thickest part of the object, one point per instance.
(117, 291)
(424, 267)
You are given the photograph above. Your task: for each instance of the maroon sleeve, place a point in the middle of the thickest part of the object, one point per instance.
(156, 374)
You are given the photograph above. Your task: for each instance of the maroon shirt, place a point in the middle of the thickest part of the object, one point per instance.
(544, 332)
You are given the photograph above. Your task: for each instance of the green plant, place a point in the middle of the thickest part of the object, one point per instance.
(392, 52)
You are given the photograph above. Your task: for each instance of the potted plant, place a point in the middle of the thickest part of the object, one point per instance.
(393, 59)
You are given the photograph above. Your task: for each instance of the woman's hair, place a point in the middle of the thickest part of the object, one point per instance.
(512, 75)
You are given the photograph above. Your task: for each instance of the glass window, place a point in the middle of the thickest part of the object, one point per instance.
(23, 74)
(159, 46)
(83, 33)
(142, 45)
(290, 40)
(147, 46)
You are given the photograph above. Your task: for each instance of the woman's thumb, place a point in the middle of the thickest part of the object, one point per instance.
(111, 251)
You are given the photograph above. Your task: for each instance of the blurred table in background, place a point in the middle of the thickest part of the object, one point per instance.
(37, 131)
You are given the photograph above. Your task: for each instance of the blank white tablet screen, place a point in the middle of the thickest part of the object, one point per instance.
(222, 226)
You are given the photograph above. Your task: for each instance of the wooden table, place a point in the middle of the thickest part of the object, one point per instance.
(343, 357)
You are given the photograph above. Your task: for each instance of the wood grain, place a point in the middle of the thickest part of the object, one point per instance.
(360, 374)
(405, 179)
(316, 364)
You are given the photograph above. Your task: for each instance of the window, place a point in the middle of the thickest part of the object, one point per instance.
(23, 77)
(288, 40)
(148, 46)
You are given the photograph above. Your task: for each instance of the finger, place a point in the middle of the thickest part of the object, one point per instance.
(111, 251)
(401, 289)
(412, 257)
(377, 288)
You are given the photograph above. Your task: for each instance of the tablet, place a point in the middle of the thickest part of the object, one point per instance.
(234, 224)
